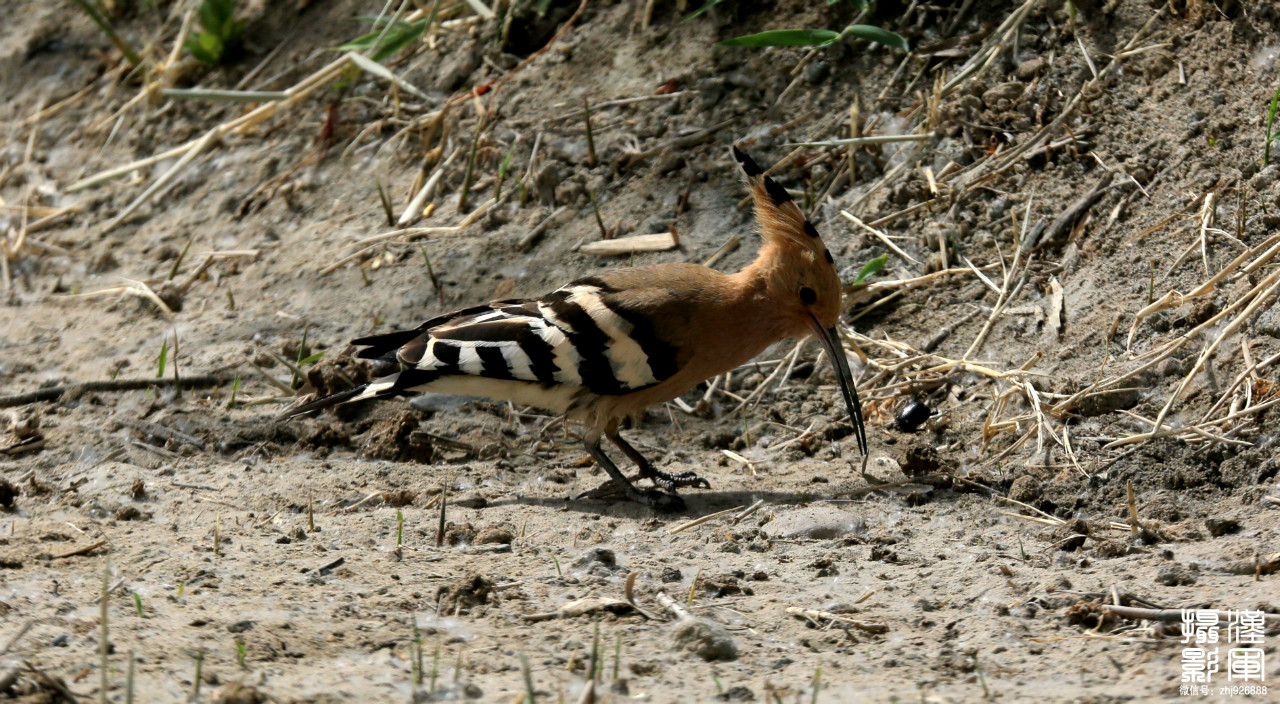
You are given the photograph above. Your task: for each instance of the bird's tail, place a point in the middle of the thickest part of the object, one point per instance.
(390, 385)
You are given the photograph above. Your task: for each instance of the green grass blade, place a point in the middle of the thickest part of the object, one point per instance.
(178, 262)
(502, 171)
(870, 268)
(785, 37)
(235, 389)
(303, 352)
(1271, 118)
(706, 6)
(875, 34)
(164, 357)
(99, 19)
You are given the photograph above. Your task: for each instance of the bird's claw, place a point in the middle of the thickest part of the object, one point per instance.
(671, 482)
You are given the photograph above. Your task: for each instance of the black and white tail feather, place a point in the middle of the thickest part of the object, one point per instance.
(555, 352)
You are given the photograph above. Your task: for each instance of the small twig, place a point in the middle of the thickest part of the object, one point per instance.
(539, 230)
(1066, 220)
(699, 521)
(56, 392)
(747, 512)
(673, 606)
(1172, 615)
(879, 235)
(329, 566)
(82, 550)
(817, 615)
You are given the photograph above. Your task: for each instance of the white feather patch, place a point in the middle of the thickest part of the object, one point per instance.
(429, 360)
(517, 361)
(628, 360)
(468, 359)
(566, 355)
(376, 386)
(556, 399)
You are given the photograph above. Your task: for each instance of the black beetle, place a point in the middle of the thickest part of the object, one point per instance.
(912, 416)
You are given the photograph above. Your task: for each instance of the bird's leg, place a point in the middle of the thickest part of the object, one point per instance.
(658, 500)
(667, 481)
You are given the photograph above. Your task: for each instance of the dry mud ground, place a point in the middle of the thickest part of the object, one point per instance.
(264, 556)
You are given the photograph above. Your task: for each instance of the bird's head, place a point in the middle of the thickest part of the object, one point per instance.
(800, 275)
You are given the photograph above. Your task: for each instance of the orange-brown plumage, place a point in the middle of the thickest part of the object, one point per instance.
(613, 344)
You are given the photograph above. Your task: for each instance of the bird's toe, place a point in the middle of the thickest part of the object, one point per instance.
(671, 482)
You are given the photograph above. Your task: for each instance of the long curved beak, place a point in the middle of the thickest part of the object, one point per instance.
(830, 339)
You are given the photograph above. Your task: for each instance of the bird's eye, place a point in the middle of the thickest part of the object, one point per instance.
(808, 296)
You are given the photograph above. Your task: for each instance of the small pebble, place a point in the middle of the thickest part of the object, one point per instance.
(1030, 67)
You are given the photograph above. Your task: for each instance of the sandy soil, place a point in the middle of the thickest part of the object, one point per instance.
(298, 562)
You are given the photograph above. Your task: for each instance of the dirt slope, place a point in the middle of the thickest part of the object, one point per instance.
(1097, 162)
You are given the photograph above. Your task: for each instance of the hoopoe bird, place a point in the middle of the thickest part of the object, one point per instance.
(610, 345)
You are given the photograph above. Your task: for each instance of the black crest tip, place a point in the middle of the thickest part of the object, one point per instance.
(749, 165)
(777, 193)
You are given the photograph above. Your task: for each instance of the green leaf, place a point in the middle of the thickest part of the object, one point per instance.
(875, 34)
(785, 37)
(196, 48)
(209, 16)
(870, 268)
(398, 36)
(311, 360)
(221, 35)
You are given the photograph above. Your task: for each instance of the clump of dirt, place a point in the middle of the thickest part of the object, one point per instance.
(464, 595)
(398, 438)
(706, 639)
(1025, 488)
(1219, 527)
(322, 434)
(132, 513)
(339, 373)
(238, 693)
(1089, 615)
(399, 498)
(919, 459)
(1072, 535)
(459, 534)
(722, 585)
(495, 535)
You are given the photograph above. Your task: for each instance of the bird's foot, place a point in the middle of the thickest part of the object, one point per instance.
(671, 482)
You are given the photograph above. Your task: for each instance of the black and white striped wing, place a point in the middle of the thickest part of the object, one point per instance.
(547, 352)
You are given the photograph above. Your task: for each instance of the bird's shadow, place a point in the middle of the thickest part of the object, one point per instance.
(697, 503)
